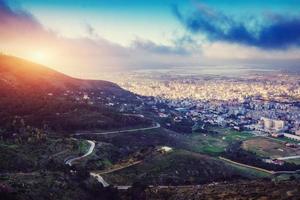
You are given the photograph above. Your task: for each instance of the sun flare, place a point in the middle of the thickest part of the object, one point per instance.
(39, 56)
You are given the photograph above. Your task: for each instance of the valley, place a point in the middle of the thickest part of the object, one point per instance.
(92, 138)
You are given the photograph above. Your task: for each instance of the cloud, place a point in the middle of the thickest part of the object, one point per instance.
(152, 47)
(90, 30)
(23, 35)
(6, 11)
(14, 21)
(276, 32)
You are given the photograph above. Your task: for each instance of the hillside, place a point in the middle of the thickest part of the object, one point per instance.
(35, 186)
(45, 98)
(256, 189)
(16, 74)
(177, 168)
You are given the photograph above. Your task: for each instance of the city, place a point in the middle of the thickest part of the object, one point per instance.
(251, 102)
(149, 100)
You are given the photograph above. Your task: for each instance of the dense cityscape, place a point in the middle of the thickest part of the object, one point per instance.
(248, 102)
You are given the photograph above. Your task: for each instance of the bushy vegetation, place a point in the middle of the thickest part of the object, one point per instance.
(47, 155)
(176, 168)
(53, 185)
(62, 114)
(21, 133)
(242, 190)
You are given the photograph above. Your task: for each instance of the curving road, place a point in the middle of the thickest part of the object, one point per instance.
(91, 149)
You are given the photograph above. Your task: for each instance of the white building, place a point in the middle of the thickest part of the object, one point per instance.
(271, 124)
(267, 123)
(278, 124)
(165, 149)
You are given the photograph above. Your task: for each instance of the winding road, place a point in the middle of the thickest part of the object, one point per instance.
(90, 151)
(92, 147)
(100, 179)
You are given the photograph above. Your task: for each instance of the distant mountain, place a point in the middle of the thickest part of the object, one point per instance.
(44, 97)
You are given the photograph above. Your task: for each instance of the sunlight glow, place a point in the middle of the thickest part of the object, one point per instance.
(39, 56)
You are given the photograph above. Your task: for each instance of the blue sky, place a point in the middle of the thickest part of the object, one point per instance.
(123, 20)
(130, 34)
(119, 21)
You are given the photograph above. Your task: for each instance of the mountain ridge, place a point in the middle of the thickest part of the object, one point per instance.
(18, 72)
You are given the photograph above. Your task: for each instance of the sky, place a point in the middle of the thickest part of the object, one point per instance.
(85, 38)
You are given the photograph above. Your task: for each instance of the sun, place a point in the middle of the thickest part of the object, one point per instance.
(39, 56)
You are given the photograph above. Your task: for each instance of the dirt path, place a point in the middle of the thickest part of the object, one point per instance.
(247, 166)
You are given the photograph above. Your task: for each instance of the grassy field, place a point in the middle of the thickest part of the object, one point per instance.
(268, 147)
(214, 144)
